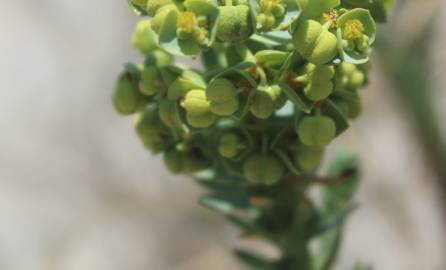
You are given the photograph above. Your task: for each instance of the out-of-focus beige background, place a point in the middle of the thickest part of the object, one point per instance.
(77, 190)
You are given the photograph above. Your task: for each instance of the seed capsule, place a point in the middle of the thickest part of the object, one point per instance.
(262, 169)
(220, 90)
(167, 113)
(262, 104)
(316, 131)
(127, 99)
(152, 134)
(307, 158)
(234, 24)
(315, 43)
(320, 83)
(229, 145)
(198, 109)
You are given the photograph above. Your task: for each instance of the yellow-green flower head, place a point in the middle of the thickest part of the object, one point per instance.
(229, 145)
(127, 99)
(144, 38)
(174, 160)
(154, 5)
(316, 131)
(261, 169)
(187, 22)
(353, 29)
(234, 24)
(307, 158)
(150, 81)
(315, 43)
(320, 83)
(198, 109)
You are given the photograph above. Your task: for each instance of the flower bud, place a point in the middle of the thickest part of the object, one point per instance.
(320, 83)
(150, 81)
(234, 24)
(316, 131)
(315, 43)
(357, 79)
(307, 158)
(144, 38)
(229, 145)
(127, 99)
(266, 21)
(174, 161)
(261, 169)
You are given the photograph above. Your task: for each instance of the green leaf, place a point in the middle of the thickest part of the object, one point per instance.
(137, 10)
(272, 58)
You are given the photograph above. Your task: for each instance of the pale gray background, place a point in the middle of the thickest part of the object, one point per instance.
(77, 190)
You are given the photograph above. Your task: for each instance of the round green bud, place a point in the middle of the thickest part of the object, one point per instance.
(174, 160)
(167, 112)
(278, 10)
(347, 68)
(307, 159)
(150, 81)
(144, 38)
(263, 169)
(262, 104)
(154, 5)
(220, 90)
(201, 121)
(229, 145)
(127, 99)
(315, 43)
(225, 108)
(316, 131)
(234, 24)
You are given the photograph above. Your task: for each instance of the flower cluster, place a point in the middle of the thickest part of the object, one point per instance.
(280, 82)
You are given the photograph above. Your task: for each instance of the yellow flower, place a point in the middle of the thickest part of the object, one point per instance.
(353, 29)
(187, 22)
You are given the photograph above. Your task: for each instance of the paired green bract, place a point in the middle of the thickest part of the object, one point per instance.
(279, 83)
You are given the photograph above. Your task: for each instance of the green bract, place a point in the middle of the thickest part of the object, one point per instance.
(234, 24)
(315, 43)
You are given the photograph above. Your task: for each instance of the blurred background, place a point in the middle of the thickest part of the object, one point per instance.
(78, 191)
